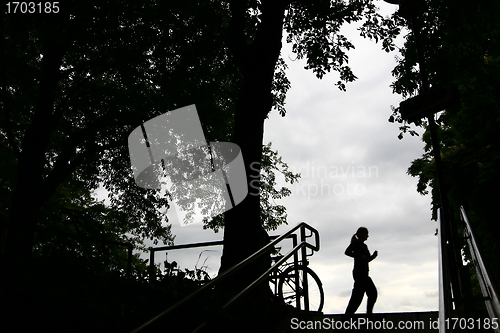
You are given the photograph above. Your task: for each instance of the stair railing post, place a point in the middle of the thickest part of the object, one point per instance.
(152, 275)
(296, 272)
(304, 265)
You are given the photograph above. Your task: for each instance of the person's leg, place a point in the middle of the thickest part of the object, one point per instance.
(356, 297)
(371, 293)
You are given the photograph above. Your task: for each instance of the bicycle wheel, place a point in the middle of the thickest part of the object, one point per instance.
(288, 291)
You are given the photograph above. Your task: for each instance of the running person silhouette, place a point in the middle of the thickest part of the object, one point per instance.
(362, 282)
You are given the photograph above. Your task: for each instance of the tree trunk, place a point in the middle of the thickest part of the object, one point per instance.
(18, 234)
(243, 231)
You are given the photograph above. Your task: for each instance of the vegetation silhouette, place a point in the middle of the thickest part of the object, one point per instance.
(76, 83)
(460, 48)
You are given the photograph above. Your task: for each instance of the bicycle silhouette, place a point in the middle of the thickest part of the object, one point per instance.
(297, 284)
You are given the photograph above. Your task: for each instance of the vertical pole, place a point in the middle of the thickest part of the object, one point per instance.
(305, 285)
(296, 272)
(445, 298)
(152, 276)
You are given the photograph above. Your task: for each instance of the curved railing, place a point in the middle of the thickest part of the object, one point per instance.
(302, 246)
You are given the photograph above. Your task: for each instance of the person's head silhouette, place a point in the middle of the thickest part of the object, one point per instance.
(360, 235)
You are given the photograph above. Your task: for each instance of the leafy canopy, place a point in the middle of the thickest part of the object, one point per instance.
(461, 46)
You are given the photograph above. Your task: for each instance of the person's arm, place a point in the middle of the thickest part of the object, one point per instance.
(350, 251)
(374, 255)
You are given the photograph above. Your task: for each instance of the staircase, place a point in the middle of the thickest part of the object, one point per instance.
(408, 322)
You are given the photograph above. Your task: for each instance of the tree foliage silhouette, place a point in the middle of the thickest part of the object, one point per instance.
(460, 46)
(70, 102)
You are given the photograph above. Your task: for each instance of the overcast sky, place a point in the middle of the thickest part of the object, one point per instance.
(353, 170)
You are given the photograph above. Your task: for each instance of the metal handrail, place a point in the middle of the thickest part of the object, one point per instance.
(487, 287)
(302, 245)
